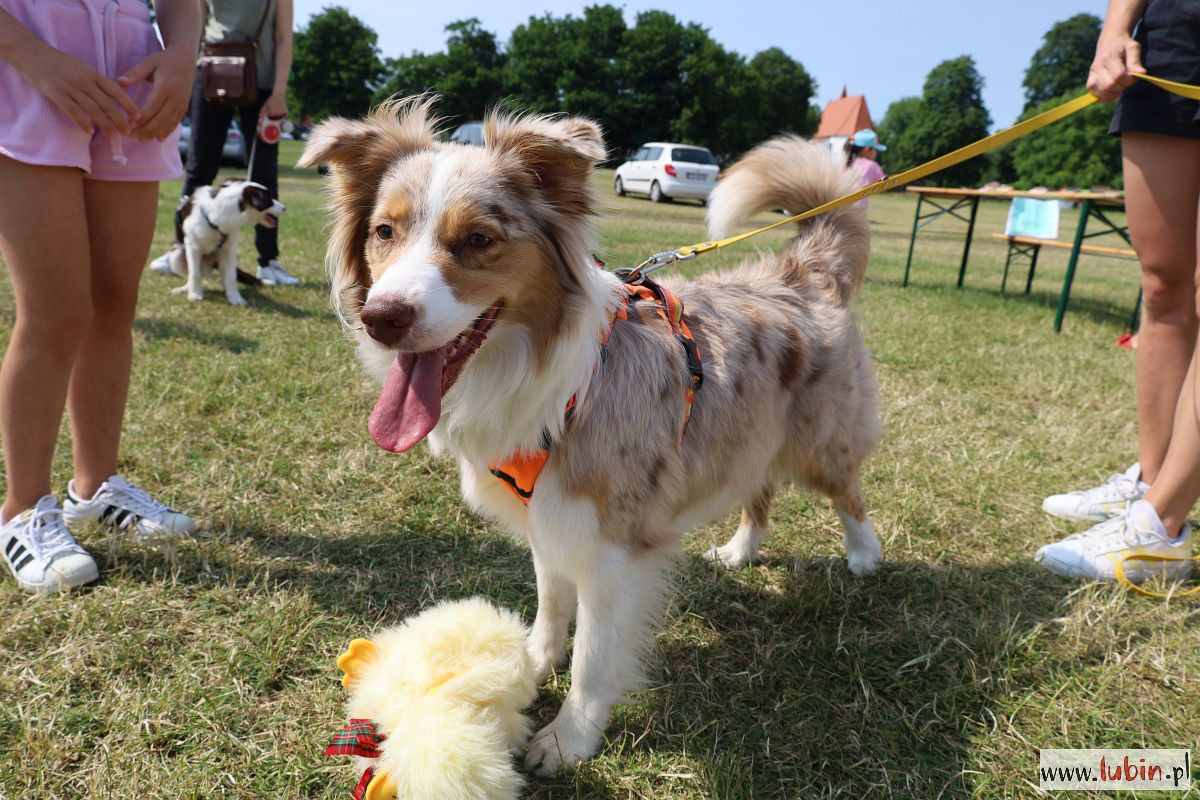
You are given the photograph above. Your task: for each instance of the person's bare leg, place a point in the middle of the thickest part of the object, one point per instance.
(1178, 485)
(44, 238)
(121, 218)
(1162, 184)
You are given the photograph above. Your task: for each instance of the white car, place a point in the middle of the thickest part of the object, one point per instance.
(667, 171)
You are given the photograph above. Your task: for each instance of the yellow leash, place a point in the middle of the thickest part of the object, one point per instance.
(980, 147)
(1021, 129)
(1123, 579)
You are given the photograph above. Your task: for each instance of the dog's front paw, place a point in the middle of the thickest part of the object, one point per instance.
(865, 560)
(194, 297)
(236, 299)
(732, 555)
(562, 744)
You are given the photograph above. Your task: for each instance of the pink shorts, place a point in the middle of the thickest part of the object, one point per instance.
(111, 36)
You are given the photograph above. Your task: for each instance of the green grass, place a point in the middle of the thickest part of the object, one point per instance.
(205, 668)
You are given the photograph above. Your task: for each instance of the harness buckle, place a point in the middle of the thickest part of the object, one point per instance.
(635, 275)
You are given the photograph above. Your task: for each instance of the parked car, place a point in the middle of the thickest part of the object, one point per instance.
(234, 149)
(468, 133)
(667, 171)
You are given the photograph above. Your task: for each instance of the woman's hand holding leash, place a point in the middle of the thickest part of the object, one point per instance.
(1118, 55)
(1112, 70)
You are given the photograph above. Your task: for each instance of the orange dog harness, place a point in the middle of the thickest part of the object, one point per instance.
(520, 472)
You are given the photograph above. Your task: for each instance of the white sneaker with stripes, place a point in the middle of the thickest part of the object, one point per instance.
(123, 506)
(41, 553)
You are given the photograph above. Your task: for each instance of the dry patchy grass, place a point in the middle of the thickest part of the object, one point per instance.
(205, 669)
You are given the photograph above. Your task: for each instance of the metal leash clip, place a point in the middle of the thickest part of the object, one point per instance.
(653, 263)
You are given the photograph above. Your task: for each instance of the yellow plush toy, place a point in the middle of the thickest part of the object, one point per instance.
(435, 705)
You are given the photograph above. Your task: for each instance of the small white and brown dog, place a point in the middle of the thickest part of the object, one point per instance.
(206, 234)
(466, 277)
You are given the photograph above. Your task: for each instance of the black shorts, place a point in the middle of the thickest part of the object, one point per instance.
(1169, 33)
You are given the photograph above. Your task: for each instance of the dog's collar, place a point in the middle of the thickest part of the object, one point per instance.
(224, 235)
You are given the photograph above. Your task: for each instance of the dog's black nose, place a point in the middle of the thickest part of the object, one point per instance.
(388, 320)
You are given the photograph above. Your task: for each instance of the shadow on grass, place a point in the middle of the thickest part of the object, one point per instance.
(162, 329)
(260, 299)
(1100, 311)
(823, 684)
(789, 680)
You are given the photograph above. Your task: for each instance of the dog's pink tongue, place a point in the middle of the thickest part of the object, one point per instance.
(410, 403)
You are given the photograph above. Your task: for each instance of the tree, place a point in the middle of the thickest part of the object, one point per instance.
(787, 91)
(336, 65)
(571, 64)
(412, 74)
(537, 61)
(657, 79)
(469, 76)
(896, 131)
(949, 115)
(716, 87)
(1061, 64)
(649, 60)
(1075, 152)
(591, 82)
(474, 79)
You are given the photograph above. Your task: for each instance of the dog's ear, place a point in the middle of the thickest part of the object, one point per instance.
(359, 153)
(558, 152)
(256, 196)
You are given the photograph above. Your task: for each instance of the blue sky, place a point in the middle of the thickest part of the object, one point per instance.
(881, 49)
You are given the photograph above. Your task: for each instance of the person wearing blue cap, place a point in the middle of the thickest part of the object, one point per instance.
(861, 149)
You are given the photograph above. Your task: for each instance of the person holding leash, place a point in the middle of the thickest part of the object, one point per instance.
(1144, 510)
(89, 106)
(268, 25)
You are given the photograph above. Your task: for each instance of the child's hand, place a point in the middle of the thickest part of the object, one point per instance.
(170, 74)
(89, 98)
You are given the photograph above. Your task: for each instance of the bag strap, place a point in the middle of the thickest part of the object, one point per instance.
(262, 22)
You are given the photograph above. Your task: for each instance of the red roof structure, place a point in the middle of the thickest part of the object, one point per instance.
(844, 116)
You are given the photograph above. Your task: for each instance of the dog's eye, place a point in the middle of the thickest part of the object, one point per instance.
(478, 240)
(384, 232)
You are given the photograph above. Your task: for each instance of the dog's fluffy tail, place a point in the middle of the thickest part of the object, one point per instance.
(794, 175)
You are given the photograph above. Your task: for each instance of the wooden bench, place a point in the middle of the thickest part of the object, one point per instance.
(1030, 247)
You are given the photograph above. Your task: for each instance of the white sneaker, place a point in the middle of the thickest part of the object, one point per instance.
(274, 275)
(41, 553)
(121, 505)
(1094, 553)
(162, 265)
(1102, 502)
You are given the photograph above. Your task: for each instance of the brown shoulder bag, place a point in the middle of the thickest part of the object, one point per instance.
(229, 70)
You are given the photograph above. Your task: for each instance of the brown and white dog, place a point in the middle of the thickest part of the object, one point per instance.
(465, 274)
(206, 234)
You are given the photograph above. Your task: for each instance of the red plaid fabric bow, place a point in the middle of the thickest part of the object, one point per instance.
(358, 737)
